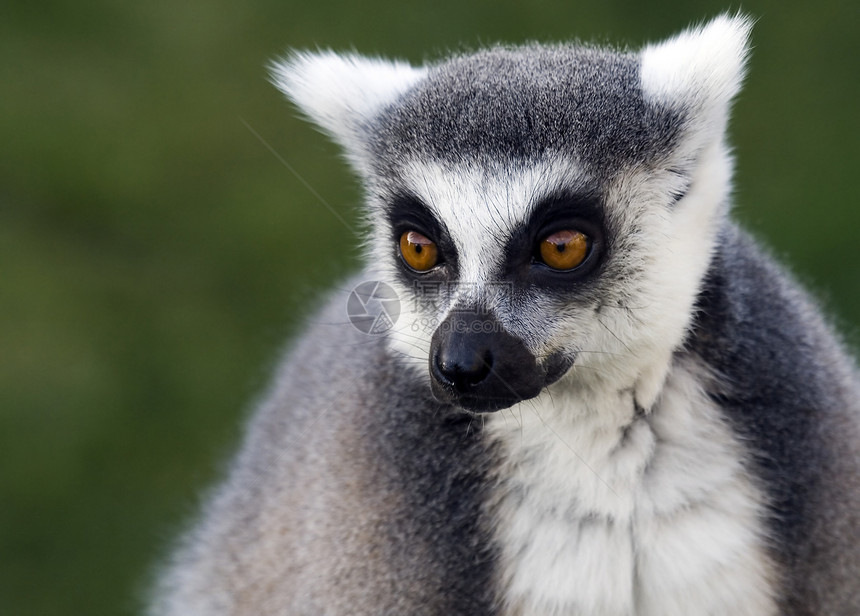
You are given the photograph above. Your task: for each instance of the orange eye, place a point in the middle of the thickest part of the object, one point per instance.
(564, 250)
(419, 252)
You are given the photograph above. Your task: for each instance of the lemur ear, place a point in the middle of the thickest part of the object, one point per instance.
(342, 93)
(699, 72)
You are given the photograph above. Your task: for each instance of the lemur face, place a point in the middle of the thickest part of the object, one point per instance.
(516, 275)
(543, 213)
(493, 265)
(491, 288)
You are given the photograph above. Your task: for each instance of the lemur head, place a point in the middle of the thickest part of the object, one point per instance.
(544, 213)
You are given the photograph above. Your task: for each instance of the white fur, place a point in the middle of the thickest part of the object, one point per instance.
(601, 512)
(700, 71)
(338, 91)
(700, 65)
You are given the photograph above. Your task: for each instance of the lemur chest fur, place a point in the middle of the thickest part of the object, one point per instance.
(601, 511)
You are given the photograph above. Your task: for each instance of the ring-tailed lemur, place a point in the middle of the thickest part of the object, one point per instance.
(599, 397)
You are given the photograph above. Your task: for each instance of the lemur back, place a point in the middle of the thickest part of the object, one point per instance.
(591, 393)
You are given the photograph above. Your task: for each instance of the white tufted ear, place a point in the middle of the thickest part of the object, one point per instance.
(340, 93)
(699, 71)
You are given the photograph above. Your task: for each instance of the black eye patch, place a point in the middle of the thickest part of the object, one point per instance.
(561, 211)
(405, 213)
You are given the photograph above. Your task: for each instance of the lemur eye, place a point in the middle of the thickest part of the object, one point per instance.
(419, 252)
(564, 250)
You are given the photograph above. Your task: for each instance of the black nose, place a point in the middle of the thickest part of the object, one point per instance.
(476, 364)
(463, 366)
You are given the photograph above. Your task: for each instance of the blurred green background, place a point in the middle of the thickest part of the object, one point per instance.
(154, 253)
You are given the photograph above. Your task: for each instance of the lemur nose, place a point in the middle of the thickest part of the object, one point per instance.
(463, 366)
(477, 365)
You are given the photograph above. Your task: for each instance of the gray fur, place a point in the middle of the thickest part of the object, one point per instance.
(792, 393)
(703, 449)
(515, 103)
(372, 511)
